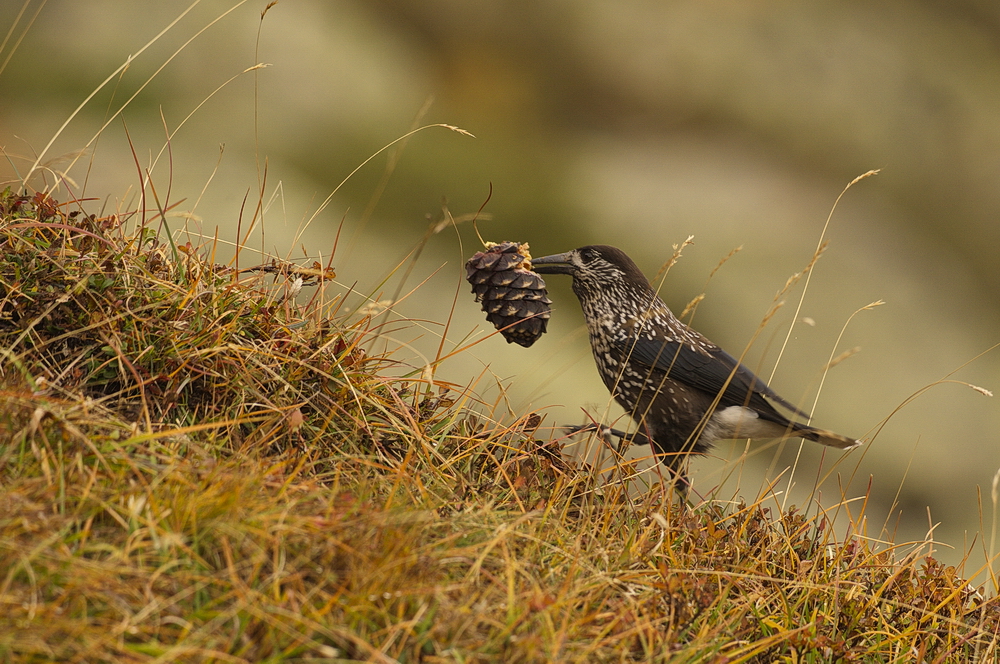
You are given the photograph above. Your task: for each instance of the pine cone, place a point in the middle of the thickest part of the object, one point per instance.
(514, 298)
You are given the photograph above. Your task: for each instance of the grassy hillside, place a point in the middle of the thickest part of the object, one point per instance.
(208, 464)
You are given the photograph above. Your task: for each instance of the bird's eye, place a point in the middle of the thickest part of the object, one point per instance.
(588, 255)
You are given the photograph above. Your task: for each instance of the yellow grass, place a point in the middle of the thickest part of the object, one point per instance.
(197, 467)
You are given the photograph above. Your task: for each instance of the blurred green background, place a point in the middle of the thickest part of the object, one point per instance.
(627, 123)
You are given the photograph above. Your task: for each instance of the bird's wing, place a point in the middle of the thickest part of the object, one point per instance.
(707, 369)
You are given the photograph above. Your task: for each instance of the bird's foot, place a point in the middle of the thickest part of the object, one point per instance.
(607, 433)
(677, 475)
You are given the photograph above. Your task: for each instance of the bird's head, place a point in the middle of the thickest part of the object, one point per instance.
(595, 268)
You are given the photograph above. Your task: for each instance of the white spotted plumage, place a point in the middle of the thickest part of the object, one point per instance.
(682, 390)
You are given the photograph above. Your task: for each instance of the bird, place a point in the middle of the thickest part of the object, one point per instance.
(683, 391)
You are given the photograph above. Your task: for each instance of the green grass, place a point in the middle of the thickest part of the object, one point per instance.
(197, 467)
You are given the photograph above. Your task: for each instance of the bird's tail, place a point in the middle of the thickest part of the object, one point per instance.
(824, 437)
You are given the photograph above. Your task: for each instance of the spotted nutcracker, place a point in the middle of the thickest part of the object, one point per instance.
(683, 391)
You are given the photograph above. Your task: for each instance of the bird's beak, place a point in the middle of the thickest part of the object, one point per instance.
(554, 264)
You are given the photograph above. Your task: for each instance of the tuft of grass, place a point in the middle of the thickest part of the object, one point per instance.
(198, 466)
